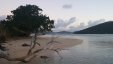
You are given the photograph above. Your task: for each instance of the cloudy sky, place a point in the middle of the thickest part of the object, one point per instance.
(69, 15)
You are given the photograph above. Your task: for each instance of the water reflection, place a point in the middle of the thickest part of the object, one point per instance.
(96, 49)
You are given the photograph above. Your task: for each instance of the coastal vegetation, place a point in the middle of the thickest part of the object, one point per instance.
(24, 21)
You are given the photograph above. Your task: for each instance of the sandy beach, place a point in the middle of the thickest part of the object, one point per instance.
(17, 50)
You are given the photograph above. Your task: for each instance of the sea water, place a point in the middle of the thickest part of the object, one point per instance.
(95, 49)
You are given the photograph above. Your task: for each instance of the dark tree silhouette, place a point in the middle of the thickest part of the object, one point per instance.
(27, 19)
(23, 21)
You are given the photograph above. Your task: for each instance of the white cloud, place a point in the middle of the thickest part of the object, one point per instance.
(90, 23)
(93, 23)
(63, 25)
(77, 28)
(71, 24)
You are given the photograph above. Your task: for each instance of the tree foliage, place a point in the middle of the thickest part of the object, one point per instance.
(27, 19)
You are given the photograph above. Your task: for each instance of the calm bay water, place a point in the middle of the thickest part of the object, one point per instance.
(95, 49)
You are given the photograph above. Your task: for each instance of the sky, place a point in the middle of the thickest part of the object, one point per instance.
(69, 15)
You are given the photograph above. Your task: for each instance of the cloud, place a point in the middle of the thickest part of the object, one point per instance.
(67, 6)
(93, 23)
(63, 25)
(82, 25)
(71, 24)
(77, 28)
(90, 23)
(2, 17)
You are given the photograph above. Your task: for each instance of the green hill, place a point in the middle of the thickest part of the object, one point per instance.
(104, 28)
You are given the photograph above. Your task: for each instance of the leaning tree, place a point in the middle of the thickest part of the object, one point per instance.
(24, 21)
(28, 19)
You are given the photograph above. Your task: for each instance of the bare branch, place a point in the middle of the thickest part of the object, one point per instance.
(31, 54)
(33, 43)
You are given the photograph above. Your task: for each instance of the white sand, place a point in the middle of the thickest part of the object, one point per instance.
(17, 50)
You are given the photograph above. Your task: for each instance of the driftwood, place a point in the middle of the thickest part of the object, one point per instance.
(31, 54)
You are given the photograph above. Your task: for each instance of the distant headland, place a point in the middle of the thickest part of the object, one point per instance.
(103, 28)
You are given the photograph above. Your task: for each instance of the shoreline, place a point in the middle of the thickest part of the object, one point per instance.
(17, 50)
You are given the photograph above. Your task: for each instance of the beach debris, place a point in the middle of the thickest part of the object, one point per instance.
(44, 58)
(3, 53)
(2, 48)
(25, 45)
